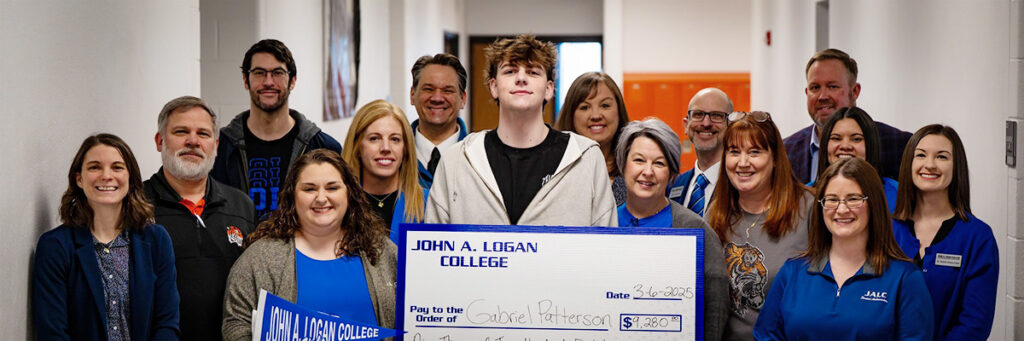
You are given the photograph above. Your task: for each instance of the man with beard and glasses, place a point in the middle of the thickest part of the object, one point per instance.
(207, 220)
(832, 85)
(262, 141)
(706, 120)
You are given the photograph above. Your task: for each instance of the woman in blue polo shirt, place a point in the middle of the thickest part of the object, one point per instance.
(852, 282)
(851, 132)
(934, 225)
(647, 156)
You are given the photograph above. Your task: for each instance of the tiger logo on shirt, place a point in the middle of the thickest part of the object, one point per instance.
(747, 277)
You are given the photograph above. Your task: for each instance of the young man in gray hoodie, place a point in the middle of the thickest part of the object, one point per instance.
(523, 172)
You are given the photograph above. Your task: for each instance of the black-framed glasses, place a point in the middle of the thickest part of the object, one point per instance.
(260, 74)
(852, 202)
(698, 115)
(758, 116)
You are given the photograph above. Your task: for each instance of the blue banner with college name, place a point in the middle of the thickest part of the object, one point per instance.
(276, 319)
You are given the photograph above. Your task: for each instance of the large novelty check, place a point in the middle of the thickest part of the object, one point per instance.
(460, 282)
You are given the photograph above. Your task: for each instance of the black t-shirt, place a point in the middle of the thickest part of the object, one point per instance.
(383, 205)
(520, 173)
(268, 164)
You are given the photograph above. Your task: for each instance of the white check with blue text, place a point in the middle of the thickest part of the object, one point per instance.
(463, 282)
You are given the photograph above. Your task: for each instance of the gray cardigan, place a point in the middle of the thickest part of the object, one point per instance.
(716, 280)
(270, 264)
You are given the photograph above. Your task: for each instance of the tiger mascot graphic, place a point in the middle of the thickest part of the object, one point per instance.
(747, 277)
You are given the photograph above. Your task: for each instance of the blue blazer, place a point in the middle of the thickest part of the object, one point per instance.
(798, 148)
(426, 178)
(67, 291)
(963, 290)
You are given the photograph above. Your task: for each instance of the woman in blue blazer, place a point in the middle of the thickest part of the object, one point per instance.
(381, 150)
(107, 273)
(934, 226)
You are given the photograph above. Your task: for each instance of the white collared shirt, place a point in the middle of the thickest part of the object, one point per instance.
(424, 147)
(712, 175)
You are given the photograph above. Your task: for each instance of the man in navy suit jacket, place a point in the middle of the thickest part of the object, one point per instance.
(706, 120)
(832, 85)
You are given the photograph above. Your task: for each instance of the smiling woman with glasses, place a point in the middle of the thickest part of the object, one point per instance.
(934, 226)
(853, 279)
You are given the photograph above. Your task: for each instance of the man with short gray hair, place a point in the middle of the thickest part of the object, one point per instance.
(207, 220)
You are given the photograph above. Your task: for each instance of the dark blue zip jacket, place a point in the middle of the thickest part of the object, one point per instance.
(232, 164)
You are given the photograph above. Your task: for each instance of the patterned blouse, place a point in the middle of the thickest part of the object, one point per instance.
(114, 258)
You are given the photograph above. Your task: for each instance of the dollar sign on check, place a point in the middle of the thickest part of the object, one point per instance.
(627, 322)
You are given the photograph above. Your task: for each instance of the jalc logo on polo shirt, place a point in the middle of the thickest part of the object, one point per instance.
(879, 296)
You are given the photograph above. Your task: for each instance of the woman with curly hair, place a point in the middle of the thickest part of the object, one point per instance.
(323, 239)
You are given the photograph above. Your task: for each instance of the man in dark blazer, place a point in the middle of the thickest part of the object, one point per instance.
(705, 122)
(832, 85)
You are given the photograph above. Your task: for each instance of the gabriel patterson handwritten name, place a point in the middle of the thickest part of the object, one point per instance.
(544, 312)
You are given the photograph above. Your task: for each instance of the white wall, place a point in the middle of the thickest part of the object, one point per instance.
(777, 70)
(540, 17)
(686, 36)
(72, 69)
(227, 29)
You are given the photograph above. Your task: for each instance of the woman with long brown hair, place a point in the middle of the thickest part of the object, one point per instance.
(933, 224)
(853, 281)
(760, 214)
(107, 273)
(595, 109)
(323, 239)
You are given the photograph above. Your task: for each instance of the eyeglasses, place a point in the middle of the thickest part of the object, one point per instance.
(852, 202)
(697, 115)
(259, 74)
(759, 116)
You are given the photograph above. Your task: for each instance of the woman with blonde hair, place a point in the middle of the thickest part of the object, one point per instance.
(381, 150)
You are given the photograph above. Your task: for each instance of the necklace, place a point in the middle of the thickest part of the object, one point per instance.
(380, 201)
(752, 224)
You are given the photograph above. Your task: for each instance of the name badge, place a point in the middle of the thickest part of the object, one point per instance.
(943, 259)
(676, 192)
